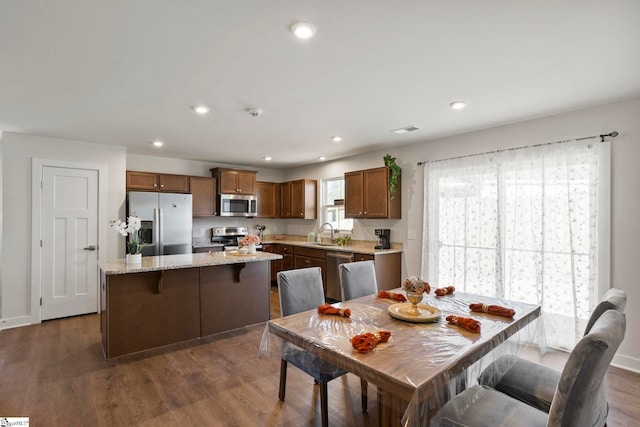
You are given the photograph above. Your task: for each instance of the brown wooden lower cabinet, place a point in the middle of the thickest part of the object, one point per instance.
(311, 257)
(287, 257)
(226, 304)
(141, 311)
(388, 268)
(275, 264)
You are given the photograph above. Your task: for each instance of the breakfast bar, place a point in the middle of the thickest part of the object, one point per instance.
(174, 298)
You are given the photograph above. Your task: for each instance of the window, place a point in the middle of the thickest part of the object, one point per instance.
(333, 204)
(526, 224)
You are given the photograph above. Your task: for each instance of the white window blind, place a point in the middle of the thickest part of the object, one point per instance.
(333, 204)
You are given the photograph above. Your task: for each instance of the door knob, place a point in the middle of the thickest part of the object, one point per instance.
(90, 248)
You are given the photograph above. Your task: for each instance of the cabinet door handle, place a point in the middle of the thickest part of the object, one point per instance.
(90, 248)
(155, 185)
(161, 185)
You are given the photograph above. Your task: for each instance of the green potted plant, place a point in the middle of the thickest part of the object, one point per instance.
(394, 170)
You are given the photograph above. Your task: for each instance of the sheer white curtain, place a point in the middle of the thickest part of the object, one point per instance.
(523, 224)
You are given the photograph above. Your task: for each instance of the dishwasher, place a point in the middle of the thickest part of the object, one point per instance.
(334, 259)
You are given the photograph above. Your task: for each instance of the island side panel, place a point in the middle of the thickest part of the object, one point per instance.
(104, 318)
(151, 309)
(226, 304)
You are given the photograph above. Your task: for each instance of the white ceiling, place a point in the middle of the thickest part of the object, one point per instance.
(127, 72)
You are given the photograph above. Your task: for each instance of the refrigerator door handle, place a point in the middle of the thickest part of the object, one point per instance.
(161, 231)
(156, 231)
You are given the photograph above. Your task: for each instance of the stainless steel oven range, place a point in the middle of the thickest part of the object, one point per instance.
(230, 236)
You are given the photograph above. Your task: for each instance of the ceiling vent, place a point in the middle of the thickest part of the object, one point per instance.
(405, 129)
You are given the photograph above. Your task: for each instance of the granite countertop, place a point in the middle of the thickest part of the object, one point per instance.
(359, 248)
(172, 262)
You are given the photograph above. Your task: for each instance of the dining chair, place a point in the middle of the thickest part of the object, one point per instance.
(531, 382)
(301, 290)
(357, 279)
(579, 400)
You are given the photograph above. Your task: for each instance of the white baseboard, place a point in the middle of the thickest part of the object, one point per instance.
(626, 362)
(15, 322)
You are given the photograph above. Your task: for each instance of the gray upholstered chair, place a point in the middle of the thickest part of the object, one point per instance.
(301, 290)
(613, 299)
(531, 382)
(580, 398)
(357, 279)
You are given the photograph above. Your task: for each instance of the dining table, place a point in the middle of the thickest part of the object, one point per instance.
(425, 354)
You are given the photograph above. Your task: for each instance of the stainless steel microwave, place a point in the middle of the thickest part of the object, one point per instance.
(238, 205)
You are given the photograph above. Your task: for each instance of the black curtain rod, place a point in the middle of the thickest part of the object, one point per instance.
(602, 137)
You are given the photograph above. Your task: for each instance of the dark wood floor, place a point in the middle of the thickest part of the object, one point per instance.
(55, 374)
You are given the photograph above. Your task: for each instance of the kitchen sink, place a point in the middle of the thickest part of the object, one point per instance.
(323, 244)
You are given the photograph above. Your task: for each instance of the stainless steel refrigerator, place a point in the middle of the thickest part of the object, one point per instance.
(166, 221)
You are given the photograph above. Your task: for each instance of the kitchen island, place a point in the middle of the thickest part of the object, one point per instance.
(174, 298)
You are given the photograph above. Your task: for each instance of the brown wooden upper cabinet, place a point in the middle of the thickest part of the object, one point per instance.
(232, 181)
(367, 194)
(298, 199)
(203, 190)
(268, 195)
(149, 181)
(285, 199)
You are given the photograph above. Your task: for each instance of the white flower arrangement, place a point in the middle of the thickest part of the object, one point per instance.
(413, 284)
(250, 239)
(132, 227)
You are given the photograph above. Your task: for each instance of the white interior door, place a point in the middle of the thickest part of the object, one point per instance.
(69, 229)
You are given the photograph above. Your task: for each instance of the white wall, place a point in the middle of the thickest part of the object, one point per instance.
(17, 152)
(145, 163)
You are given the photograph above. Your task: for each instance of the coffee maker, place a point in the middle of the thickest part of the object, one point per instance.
(384, 238)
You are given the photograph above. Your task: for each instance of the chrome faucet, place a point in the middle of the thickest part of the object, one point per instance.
(333, 239)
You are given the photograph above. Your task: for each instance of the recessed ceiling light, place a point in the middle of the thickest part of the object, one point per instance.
(322, 158)
(201, 109)
(336, 138)
(303, 30)
(157, 143)
(267, 158)
(458, 105)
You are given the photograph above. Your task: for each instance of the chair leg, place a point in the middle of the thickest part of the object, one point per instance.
(283, 379)
(324, 405)
(363, 392)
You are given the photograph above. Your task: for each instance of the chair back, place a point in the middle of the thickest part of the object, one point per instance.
(357, 279)
(613, 299)
(580, 399)
(300, 290)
